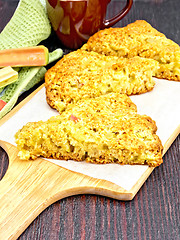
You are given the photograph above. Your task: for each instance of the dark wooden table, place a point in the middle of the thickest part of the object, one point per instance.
(154, 212)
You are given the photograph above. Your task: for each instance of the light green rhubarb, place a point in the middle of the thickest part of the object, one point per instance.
(7, 76)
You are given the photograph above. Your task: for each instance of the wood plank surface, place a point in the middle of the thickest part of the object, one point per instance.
(154, 211)
(29, 187)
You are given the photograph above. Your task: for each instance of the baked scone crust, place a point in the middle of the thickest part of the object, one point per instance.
(89, 87)
(139, 39)
(105, 129)
(82, 74)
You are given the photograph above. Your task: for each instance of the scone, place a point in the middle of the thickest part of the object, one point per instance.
(105, 129)
(139, 39)
(82, 74)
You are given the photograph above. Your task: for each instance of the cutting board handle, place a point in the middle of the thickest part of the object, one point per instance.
(28, 187)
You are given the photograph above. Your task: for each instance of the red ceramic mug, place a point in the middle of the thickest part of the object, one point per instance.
(74, 21)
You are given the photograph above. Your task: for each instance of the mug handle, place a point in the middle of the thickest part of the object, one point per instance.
(110, 22)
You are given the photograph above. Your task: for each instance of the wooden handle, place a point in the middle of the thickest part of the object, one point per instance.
(28, 187)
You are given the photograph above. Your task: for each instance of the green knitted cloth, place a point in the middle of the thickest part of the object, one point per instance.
(28, 27)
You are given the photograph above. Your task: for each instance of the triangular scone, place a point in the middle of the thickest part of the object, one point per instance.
(106, 129)
(82, 74)
(139, 39)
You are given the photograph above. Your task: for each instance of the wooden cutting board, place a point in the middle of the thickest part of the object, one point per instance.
(29, 187)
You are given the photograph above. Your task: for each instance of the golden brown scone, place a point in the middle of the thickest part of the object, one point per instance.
(139, 39)
(82, 74)
(106, 129)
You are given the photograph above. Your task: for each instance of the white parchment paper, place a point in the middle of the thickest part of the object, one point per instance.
(162, 104)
